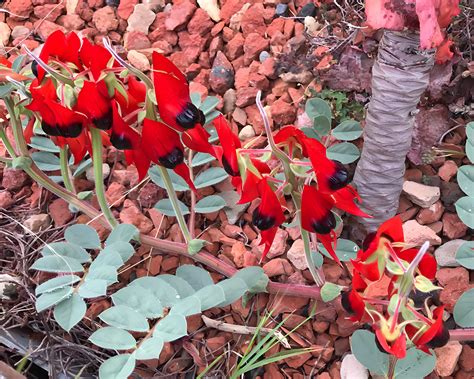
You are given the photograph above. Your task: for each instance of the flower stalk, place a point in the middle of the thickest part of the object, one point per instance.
(65, 171)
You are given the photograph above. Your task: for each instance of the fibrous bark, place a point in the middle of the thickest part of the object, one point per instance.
(399, 77)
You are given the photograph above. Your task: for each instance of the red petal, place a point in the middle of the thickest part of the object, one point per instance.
(78, 146)
(229, 142)
(94, 102)
(123, 137)
(183, 171)
(266, 238)
(136, 89)
(328, 241)
(197, 139)
(433, 330)
(357, 305)
(398, 349)
(370, 271)
(28, 132)
(344, 199)
(427, 266)
(358, 283)
(269, 208)
(250, 188)
(316, 215)
(94, 57)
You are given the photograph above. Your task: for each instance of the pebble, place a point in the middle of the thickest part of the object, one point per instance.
(6, 200)
(105, 172)
(308, 10)
(351, 368)
(296, 255)
(446, 253)
(264, 55)
(138, 60)
(447, 358)
(5, 33)
(453, 227)
(448, 170)
(421, 195)
(246, 133)
(36, 223)
(418, 234)
(431, 214)
(104, 20)
(281, 10)
(141, 19)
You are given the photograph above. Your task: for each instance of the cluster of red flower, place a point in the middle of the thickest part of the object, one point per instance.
(383, 254)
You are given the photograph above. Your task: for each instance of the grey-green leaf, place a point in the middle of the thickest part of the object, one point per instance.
(171, 328)
(65, 249)
(178, 182)
(465, 178)
(54, 263)
(69, 312)
(160, 288)
(143, 301)
(82, 235)
(56, 283)
(366, 351)
(201, 159)
(464, 310)
(210, 177)
(465, 209)
(465, 255)
(49, 299)
(150, 348)
(124, 249)
(210, 296)
(195, 276)
(344, 152)
(108, 273)
(183, 288)
(118, 367)
(46, 161)
(347, 130)
(209, 204)
(124, 317)
(315, 107)
(188, 306)
(254, 277)
(93, 288)
(109, 337)
(234, 288)
(43, 144)
(165, 206)
(122, 233)
(416, 364)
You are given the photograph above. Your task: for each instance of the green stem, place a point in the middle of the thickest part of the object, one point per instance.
(65, 171)
(16, 127)
(98, 176)
(309, 258)
(174, 203)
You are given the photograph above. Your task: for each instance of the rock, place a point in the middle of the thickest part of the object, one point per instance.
(138, 60)
(351, 368)
(246, 96)
(455, 282)
(5, 33)
(104, 20)
(422, 195)
(453, 227)
(279, 244)
(125, 8)
(235, 47)
(221, 77)
(20, 31)
(446, 253)
(230, 97)
(13, 180)
(418, 234)
(130, 214)
(239, 116)
(431, 214)
(246, 132)
(45, 28)
(200, 23)
(303, 77)
(6, 200)
(105, 172)
(448, 170)
(253, 46)
(149, 195)
(296, 255)
(264, 55)
(233, 210)
(212, 9)
(136, 41)
(447, 358)
(71, 22)
(238, 254)
(49, 12)
(467, 358)
(38, 222)
(277, 266)
(430, 124)
(115, 194)
(413, 175)
(59, 212)
(8, 291)
(253, 20)
(282, 112)
(179, 15)
(141, 19)
(450, 193)
(308, 10)
(281, 10)
(20, 8)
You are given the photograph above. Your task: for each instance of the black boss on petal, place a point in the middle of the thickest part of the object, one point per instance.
(325, 224)
(190, 116)
(71, 131)
(172, 159)
(104, 122)
(346, 303)
(340, 178)
(120, 142)
(34, 68)
(261, 221)
(441, 338)
(228, 168)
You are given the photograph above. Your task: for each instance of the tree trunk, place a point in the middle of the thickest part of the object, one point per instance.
(399, 77)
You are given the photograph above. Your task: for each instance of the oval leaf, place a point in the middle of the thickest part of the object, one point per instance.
(144, 301)
(210, 177)
(82, 235)
(344, 152)
(367, 353)
(178, 182)
(69, 312)
(416, 364)
(68, 250)
(196, 277)
(171, 328)
(46, 161)
(122, 233)
(93, 288)
(315, 107)
(165, 207)
(55, 263)
(201, 159)
(210, 204)
(150, 348)
(465, 178)
(464, 310)
(49, 299)
(118, 367)
(465, 209)
(109, 337)
(347, 130)
(56, 283)
(124, 317)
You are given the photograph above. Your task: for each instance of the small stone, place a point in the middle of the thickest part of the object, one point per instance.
(453, 227)
(104, 20)
(238, 253)
(6, 200)
(297, 256)
(253, 46)
(448, 170)
(446, 253)
(282, 112)
(138, 60)
(13, 180)
(212, 8)
(351, 368)
(246, 96)
(432, 214)
(303, 77)
(20, 31)
(105, 172)
(281, 10)
(450, 193)
(276, 267)
(253, 20)
(264, 55)
(149, 195)
(5, 33)
(20, 8)
(279, 244)
(233, 210)
(71, 22)
(467, 358)
(200, 23)
(141, 19)
(125, 8)
(239, 116)
(246, 133)
(179, 15)
(421, 195)
(37, 222)
(418, 234)
(136, 41)
(130, 214)
(221, 77)
(308, 10)
(230, 97)
(455, 281)
(447, 358)
(115, 194)
(59, 212)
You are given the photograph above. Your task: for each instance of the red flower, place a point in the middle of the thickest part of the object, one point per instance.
(56, 119)
(427, 265)
(94, 57)
(344, 200)
(197, 139)
(268, 216)
(437, 335)
(172, 95)
(135, 96)
(226, 153)
(353, 303)
(163, 146)
(124, 137)
(93, 101)
(397, 347)
(65, 48)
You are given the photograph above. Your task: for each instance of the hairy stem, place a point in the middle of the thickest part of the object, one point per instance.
(96, 138)
(192, 216)
(174, 203)
(65, 171)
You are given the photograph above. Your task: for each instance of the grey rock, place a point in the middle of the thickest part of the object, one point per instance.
(233, 210)
(419, 194)
(446, 254)
(141, 19)
(105, 172)
(351, 368)
(37, 222)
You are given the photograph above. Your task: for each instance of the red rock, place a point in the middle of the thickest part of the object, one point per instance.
(253, 21)
(160, 33)
(279, 244)
(259, 81)
(467, 358)
(229, 8)
(215, 46)
(128, 177)
(275, 26)
(246, 96)
(163, 47)
(149, 195)
(283, 113)
(115, 194)
(6, 200)
(235, 47)
(268, 68)
(49, 12)
(125, 8)
(453, 227)
(155, 264)
(238, 254)
(448, 170)
(169, 264)
(136, 41)
(455, 282)
(413, 175)
(181, 60)
(298, 360)
(277, 266)
(198, 88)
(272, 371)
(45, 28)
(253, 46)
(130, 214)
(431, 214)
(242, 77)
(71, 22)
(200, 23)
(59, 212)
(166, 353)
(104, 19)
(13, 180)
(21, 8)
(221, 77)
(179, 15)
